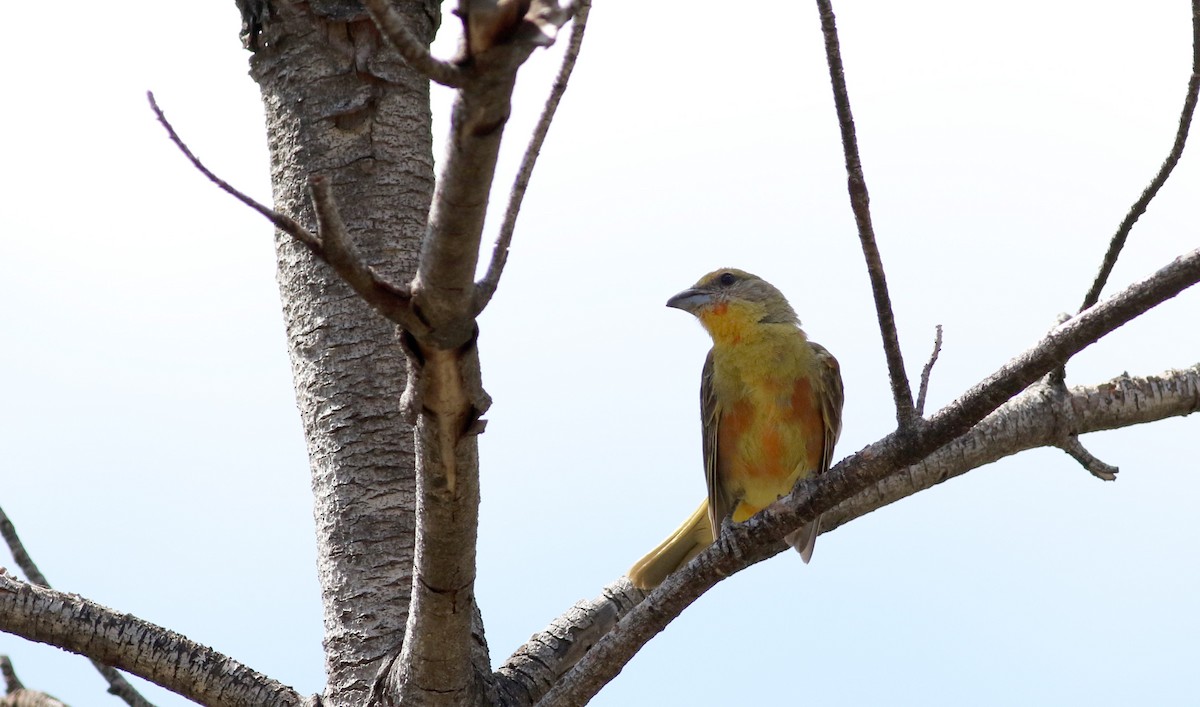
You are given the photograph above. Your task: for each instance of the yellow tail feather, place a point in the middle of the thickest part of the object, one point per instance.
(676, 551)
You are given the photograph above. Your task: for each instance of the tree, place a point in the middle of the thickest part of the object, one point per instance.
(383, 373)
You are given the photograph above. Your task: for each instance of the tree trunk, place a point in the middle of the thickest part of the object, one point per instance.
(340, 103)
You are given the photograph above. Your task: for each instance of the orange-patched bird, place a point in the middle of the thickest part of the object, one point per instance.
(770, 407)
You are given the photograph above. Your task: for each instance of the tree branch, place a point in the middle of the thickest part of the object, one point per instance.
(1036, 418)
(536, 666)
(1033, 419)
(16, 693)
(485, 288)
(860, 203)
(11, 682)
(760, 537)
(185, 667)
(331, 245)
(439, 659)
(414, 51)
(1072, 446)
(280, 221)
(499, 42)
(928, 371)
(1151, 190)
(117, 684)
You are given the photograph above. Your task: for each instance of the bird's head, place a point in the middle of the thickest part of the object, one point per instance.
(731, 303)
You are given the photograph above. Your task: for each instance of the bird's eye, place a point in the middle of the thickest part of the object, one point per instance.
(727, 279)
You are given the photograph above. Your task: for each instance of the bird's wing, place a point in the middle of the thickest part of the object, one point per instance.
(719, 506)
(831, 395)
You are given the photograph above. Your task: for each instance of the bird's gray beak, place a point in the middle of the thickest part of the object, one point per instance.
(690, 300)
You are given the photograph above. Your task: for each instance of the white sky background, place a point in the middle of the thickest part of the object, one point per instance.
(154, 459)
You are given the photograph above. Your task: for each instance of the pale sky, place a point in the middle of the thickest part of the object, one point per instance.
(154, 458)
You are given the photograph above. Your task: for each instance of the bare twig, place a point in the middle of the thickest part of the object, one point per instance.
(760, 537)
(860, 203)
(17, 695)
(1071, 445)
(11, 682)
(485, 288)
(282, 222)
(414, 51)
(332, 245)
(117, 684)
(26, 564)
(927, 371)
(1139, 206)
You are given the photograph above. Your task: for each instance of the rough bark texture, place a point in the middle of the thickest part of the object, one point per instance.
(340, 103)
(177, 663)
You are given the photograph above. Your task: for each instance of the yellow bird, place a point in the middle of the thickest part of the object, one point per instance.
(770, 407)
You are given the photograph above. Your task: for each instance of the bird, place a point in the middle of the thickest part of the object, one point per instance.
(770, 409)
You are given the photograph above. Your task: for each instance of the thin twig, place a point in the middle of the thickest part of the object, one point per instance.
(1101, 470)
(117, 684)
(1139, 206)
(26, 564)
(331, 245)
(485, 288)
(282, 222)
(927, 371)
(12, 683)
(414, 51)
(860, 203)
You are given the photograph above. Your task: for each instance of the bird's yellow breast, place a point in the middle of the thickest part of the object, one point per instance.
(771, 431)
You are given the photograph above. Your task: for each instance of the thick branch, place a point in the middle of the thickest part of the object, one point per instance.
(439, 660)
(761, 537)
(117, 684)
(860, 203)
(485, 288)
(536, 666)
(1139, 206)
(164, 657)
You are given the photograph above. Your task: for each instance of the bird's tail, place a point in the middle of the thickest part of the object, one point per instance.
(805, 539)
(676, 551)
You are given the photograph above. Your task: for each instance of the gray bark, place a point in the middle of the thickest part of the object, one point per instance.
(340, 103)
(177, 663)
